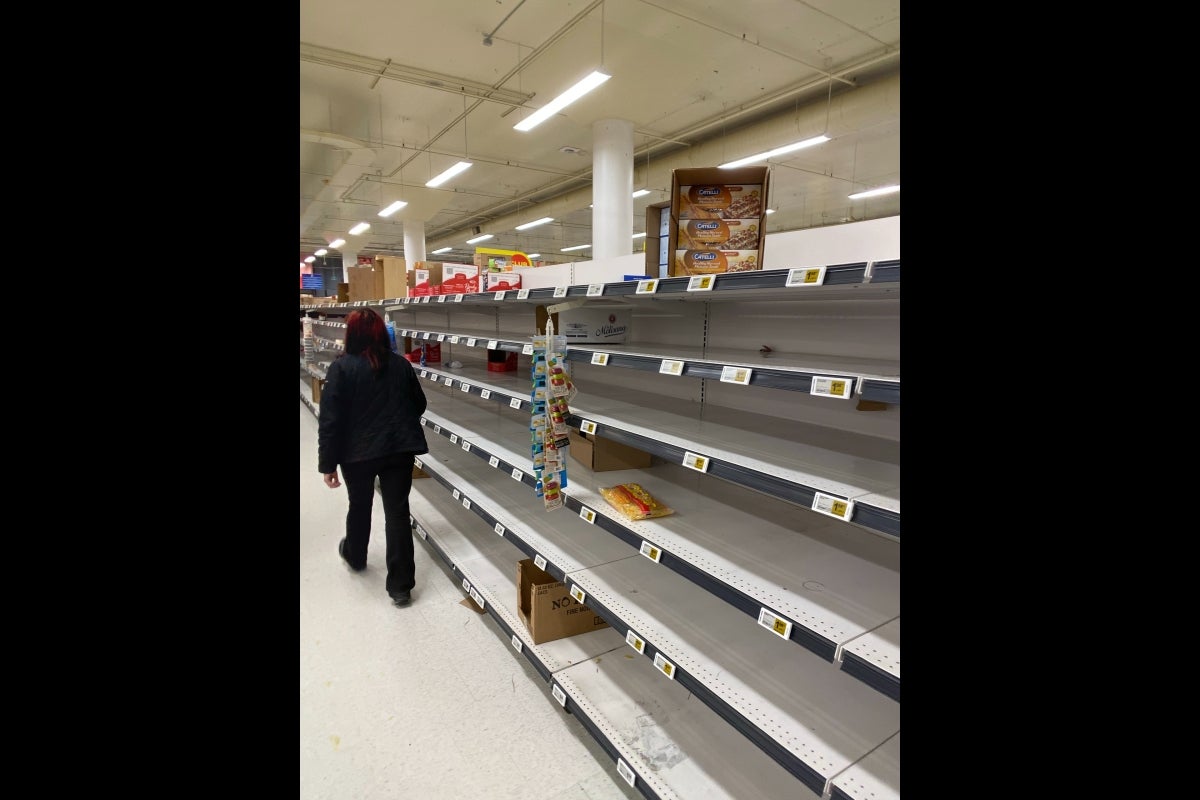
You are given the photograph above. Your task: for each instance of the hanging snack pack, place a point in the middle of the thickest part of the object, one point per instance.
(548, 429)
(634, 502)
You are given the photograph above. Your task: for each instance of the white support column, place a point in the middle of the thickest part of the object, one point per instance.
(612, 188)
(414, 241)
(349, 259)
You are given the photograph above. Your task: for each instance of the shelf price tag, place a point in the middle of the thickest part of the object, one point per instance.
(466, 503)
(425, 335)
(492, 343)
(650, 551)
(635, 641)
(500, 295)
(736, 375)
(421, 532)
(559, 695)
(437, 428)
(466, 387)
(499, 529)
(701, 283)
(577, 593)
(625, 772)
(449, 381)
(776, 624)
(417, 463)
(471, 342)
(833, 506)
(434, 378)
(453, 340)
(406, 300)
(664, 666)
(539, 562)
(466, 584)
(560, 291)
(600, 359)
(518, 476)
(466, 445)
(423, 421)
(831, 387)
(805, 276)
(441, 298)
(424, 372)
(669, 367)
(514, 403)
(527, 350)
(425, 299)
(458, 298)
(457, 494)
(595, 289)
(696, 462)
(441, 337)
(516, 643)
(485, 393)
(404, 333)
(647, 287)
(493, 462)
(587, 426)
(478, 598)
(522, 294)
(587, 515)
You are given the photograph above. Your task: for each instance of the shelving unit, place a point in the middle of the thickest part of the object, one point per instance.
(746, 569)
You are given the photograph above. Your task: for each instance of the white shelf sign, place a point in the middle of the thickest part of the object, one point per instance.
(560, 291)
(696, 462)
(454, 438)
(625, 772)
(449, 381)
(527, 350)
(417, 463)
(437, 428)
(421, 532)
(650, 551)
(516, 643)
(831, 387)
(441, 298)
(492, 343)
(453, 340)
(435, 378)
(425, 299)
(587, 515)
(664, 666)
(485, 393)
(425, 334)
(466, 503)
(499, 529)
(458, 298)
(669, 367)
(833, 506)
(466, 585)
(635, 641)
(456, 493)
(424, 373)
(493, 462)
(466, 445)
(441, 337)
(775, 624)
(559, 695)
(587, 426)
(701, 283)
(518, 475)
(577, 593)
(478, 598)
(805, 276)
(736, 375)
(522, 294)
(514, 403)
(647, 287)
(466, 387)
(471, 342)
(600, 359)
(539, 562)
(404, 333)
(423, 420)
(500, 295)
(595, 289)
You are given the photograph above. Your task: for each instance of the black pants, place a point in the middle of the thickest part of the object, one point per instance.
(395, 481)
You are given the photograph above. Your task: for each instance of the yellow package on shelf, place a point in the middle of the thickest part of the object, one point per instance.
(634, 502)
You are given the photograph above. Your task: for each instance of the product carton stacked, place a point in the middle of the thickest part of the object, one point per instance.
(395, 276)
(459, 279)
(717, 220)
(366, 283)
(425, 279)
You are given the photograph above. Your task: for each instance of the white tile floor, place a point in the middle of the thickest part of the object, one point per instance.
(428, 702)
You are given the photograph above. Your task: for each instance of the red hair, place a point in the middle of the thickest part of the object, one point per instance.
(366, 335)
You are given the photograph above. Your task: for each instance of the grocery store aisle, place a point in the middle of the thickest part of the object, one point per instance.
(427, 701)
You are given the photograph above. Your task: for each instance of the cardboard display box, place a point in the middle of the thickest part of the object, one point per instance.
(317, 384)
(395, 276)
(425, 278)
(502, 281)
(547, 608)
(584, 325)
(366, 283)
(459, 279)
(712, 208)
(604, 455)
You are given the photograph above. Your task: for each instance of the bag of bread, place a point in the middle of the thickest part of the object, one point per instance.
(634, 502)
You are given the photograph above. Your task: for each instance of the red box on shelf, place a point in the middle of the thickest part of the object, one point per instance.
(433, 353)
(501, 361)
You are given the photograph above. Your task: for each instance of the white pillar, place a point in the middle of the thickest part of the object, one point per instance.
(349, 259)
(414, 242)
(612, 188)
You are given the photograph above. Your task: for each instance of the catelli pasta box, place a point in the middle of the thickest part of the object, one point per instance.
(717, 220)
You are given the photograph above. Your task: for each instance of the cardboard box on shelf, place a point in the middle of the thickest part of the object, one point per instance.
(707, 262)
(501, 361)
(419, 473)
(604, 455)
(366, 283)
(733, 199)
(720, 234)
(502, 281)
(547, 608)
(459, 279)
(395, 276)
(588, 325)
(317, 384)
(425, 278)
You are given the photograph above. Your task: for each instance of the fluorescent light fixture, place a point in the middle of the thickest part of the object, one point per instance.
(310, 259)
(778, 151)
(562, 101)
(534, 255)
(481, 238)
(770, 211)
(393, 208)
(448, 174)
(359, 228)
(875, 192)
(639, 235)
(576, 247)
(641, 193)
(441, 250)
(535, 223)
(321, 252)
(336, 243)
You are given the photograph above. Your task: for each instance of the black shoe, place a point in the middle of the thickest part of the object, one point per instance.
(400, 599)
(342, 553)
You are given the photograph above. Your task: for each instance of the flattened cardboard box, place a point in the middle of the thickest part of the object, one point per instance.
(547, 608)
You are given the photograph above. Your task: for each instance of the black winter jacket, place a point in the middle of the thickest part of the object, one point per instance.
(363, 415)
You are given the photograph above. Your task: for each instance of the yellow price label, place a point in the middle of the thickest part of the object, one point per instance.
(838, 387)
(839, 508)
(780, 627)
(812, 275)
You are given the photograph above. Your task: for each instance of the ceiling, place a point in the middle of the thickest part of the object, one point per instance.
(392, 93)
